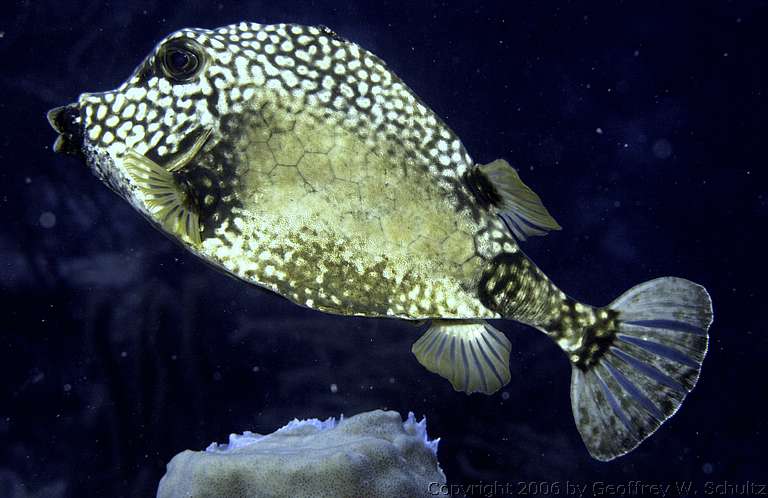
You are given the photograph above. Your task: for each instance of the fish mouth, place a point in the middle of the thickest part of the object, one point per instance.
(66, 121)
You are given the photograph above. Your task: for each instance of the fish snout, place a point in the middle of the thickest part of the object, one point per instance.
(68, 123)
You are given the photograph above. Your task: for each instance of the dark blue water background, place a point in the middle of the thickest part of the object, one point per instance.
(640, 124)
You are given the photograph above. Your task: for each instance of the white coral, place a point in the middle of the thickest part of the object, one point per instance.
(374, 454)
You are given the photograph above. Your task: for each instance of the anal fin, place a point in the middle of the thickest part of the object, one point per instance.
(498, 184)
(471, 354)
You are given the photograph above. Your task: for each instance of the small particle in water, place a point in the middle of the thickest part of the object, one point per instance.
(2, 34)
(124, 354)
(334, 388)
(67, 388)
(662, 149)
(256, 368)
(616, 203)
(391, 380)
(599, 131)
(37, 376)
(505, 395)
(217, 376)
(707, 468)
(27, 180)
(637, 52)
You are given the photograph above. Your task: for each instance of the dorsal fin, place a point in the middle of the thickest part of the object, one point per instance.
(498, 184)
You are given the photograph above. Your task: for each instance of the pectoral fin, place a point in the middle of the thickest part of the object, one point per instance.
(471, 354)
(521, 209)
(168, 201)
(186, 157)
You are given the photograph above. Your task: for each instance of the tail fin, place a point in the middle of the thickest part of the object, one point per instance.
(658, 341)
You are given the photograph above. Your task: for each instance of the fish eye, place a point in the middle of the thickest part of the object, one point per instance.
(180, 61)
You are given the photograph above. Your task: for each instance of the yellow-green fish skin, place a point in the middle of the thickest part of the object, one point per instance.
(295, 160)
(325, 179)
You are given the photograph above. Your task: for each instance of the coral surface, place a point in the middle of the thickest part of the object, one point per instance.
(373, 454)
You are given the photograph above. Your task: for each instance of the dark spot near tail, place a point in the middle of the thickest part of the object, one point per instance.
(598, 339)
(484, 191)
(499, 282)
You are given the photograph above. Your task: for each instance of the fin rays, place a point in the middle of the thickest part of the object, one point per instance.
(518, 206)
(653, 363)
(168, 200)
(471, 354)
(164, 197)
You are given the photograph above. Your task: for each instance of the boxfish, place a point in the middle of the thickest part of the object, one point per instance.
(294, 160)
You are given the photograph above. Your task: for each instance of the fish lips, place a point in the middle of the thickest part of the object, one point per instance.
(67, 122)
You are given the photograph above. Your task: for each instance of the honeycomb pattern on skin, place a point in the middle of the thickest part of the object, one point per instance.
(336, 186)
(361, 232)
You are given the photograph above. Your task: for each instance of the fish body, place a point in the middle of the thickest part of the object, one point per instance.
(324, 179)
(295, 160)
